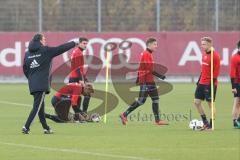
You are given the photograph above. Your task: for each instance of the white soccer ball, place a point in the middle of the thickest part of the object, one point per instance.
(95, 117)
(196, 124)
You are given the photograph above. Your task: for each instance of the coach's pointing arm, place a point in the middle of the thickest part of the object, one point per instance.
(55, 51)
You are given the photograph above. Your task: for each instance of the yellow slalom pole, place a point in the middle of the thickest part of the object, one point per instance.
(212, 89)
(106, 87)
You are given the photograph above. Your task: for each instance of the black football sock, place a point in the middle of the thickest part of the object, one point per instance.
(76, 109)
(204, 119)
(131, 108)
(54, 118)
(79, 102)
(238, 119)
(235, 122)
(86, 101)
(155, 109)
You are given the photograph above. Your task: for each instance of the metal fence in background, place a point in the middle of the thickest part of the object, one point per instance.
(119, 15)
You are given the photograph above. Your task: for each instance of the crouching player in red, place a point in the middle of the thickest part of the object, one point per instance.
(66, 97)
(203, 90)
(147, 84)
(235, 80)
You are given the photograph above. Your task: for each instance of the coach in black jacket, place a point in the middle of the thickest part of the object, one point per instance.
(37, 67)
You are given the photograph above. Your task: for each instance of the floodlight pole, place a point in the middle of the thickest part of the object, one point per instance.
(39, 16)
(216, 15)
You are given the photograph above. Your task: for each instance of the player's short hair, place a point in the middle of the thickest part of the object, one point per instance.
(37, 37)
(81, 39)
(150, 40)
(207, 39)
(238, 44)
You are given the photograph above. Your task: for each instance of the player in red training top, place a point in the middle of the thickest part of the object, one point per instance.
(235, 80)
(77, 71)
(147, 84)
(66, 97)
(203, 90)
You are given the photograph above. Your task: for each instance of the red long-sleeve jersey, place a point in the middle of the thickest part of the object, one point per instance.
(77, 64)
(235, 68)
(72, 90)
(145, 69)
(206, 68)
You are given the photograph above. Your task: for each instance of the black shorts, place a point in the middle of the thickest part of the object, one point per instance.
(55, 100)
(203, 92)
(148, 90)
(73, 80)
(238, 91)
(62, 107)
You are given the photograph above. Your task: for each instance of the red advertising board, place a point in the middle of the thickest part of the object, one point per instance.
(180, 52)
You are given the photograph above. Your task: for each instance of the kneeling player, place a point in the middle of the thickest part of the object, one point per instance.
(235, 80)
(203, 90)
(66, 97)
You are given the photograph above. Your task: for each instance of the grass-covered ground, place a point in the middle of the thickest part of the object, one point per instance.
(140, 139)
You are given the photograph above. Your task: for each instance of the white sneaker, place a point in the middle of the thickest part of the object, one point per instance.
(48, 131)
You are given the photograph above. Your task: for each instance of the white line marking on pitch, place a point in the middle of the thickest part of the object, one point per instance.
(22, 104)
(74, 151)
(17, 104)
